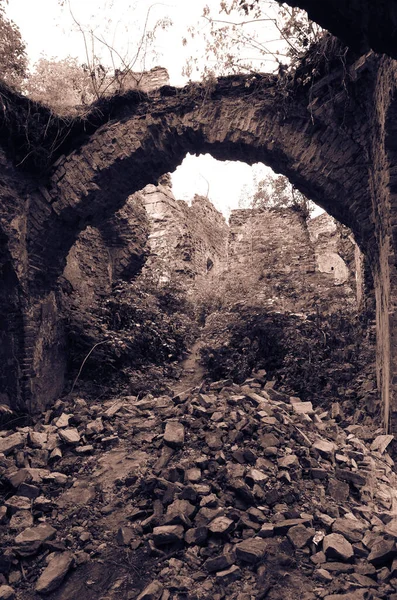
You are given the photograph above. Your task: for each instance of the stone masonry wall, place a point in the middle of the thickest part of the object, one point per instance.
(186, 242)
(101, 255)
(271, 256)
(326, 131)
(337, 254)
(281, 260)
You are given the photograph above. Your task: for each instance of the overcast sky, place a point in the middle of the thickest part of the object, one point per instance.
(49, 30)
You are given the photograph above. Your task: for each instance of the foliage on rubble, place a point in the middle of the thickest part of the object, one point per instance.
(141, 330)
(307, 355)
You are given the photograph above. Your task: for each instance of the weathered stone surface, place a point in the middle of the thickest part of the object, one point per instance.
(326, 448)
(382, 552)
(338, 490)
(11, 442)
(303, 408)
(167, 534)
(251, 550)
(351, 477)
(218, 563)
(69, 436)
(282, 527)
(299, 535)
(221, 525)
(228, 576)
(196, 535)
(54, 573)
(381, 442)
(174, 434)
(152, 592)
(336, 546)
(31, 539)
(352, 529)
(6, 592)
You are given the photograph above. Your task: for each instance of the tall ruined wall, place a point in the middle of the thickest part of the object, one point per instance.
(186, 242)
(145, 81)
(280, 259)
(337, 254)
(101, 255)
(270, 255)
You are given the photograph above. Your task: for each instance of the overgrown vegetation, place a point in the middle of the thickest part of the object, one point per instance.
(140, 331)
(276, 191)
(310, 356)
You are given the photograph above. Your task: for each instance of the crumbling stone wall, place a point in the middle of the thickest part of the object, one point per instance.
(325, 130)
(269, 251)
(337, 254)
(117, 249)
(287, 262)
(186, 242)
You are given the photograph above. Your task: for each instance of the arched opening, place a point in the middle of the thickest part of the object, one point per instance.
(268, 261)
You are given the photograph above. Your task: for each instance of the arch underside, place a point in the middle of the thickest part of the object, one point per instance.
(319, 156)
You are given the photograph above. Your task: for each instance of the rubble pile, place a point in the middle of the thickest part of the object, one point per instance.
(223, 491)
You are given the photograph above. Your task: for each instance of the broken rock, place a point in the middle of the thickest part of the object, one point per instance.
(251, 550)
(152, 592)
(174, 434)
(336, 546)
(54, 573)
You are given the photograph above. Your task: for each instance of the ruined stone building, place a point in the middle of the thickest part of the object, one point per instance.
(332, 135)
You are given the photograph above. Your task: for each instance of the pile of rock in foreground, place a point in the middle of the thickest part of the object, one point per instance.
(239, 492)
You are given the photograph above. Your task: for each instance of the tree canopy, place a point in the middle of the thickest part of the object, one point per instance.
(13, 59)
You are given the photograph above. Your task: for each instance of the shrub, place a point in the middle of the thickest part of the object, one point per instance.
(307, 355)
(140, 329)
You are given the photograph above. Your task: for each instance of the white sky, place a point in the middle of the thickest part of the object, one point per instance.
(48, 30)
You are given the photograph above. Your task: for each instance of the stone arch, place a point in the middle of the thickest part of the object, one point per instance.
(324, 136)
(93, 181)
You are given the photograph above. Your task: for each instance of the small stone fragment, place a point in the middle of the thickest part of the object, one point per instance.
(54, 573)
(21, 520)
(288, 461)
(352, 529)
(63, 421)
(152, 592)
(94, 427)
(11, 442)
(325, 448)
(336, 546)
(228, 576)
(303, 408)
(193, 475)
(174, 434)
(299, 535)
(218, 563)
(69, 436)
(87, 449)
(251, 550)
(221, 525)
(382, 552)
(196, 535)
(381, 442)
(266, 531)
(167, 534)
(282, 527)
(323, 575)
(33, 537)
(338, 490)
(6, 592)
(350, 477)
(37, 440)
